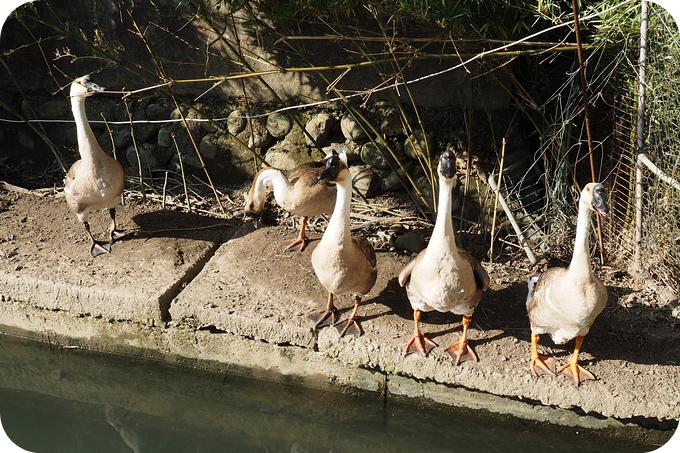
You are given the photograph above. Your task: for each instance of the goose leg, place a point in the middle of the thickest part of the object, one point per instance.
(96, 248)
(114, 233)
(540, 364)
(460, 351)
(575, 372)
(419, 343)
(350, 325)
(301, 241)
(325, 317)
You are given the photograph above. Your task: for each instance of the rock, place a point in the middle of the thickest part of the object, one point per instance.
(26, 140)
(425, 194)
(279, 124)
(286, 155)
(235, 122)
(260, 136)
(418, 144)
(365, 181)
(318, 127)
(280, 159)
(156, 111)
(26, 110)
(54, 110)
(391, 125)
(374, 156)
(351, 129)
(410, 242)
(122, 138)
(98, 113)
(394, 180)
(202, 121)
(208, 147)
(234, 160)
(145, 132)
(177, 114)
(164, 139)
(147, 157)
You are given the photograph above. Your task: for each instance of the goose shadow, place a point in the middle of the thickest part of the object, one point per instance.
(185, 225)
(393, 296)
(627, 328)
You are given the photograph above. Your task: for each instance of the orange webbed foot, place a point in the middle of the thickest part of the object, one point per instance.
(460, 351)
(117, 235)
(293, 244)
(99, 248)
(322, 318)
(348, 326)
(420, 344)
(543, 365)
(576, 373)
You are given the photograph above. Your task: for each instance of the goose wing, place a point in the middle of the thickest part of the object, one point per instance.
(481, 275)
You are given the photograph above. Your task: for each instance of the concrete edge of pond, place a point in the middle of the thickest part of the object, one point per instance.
(289, 365)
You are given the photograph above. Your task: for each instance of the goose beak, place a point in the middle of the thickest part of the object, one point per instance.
(447, 164)
(600, 200)
(257, 217)
(332, 170)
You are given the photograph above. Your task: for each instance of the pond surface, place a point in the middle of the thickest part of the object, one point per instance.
(61, 400)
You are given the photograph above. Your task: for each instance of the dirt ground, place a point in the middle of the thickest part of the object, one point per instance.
(638, 328)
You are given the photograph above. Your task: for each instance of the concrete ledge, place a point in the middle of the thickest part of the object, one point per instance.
(240, 307)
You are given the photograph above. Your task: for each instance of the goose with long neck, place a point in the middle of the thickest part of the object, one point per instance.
(565, 302)
(300, 192)
(444, 277)
(343, 263)
(97, 180)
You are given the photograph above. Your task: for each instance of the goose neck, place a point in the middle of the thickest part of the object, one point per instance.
(339, 222)
(580, 260)
(84, 133)
(278, 181)
(443, 227)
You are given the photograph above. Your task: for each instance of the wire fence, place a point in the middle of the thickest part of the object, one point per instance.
(541, 188)
(659, 236)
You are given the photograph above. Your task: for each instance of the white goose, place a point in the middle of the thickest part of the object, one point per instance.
(565, 302)
(301, 193)
(444, 277)
(97, 180)
(343, 263)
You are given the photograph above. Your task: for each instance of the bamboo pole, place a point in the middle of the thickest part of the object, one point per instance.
(520, 236)
(639, 140)
(495, 205)
(586, 114)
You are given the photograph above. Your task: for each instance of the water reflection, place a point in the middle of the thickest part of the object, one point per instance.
(54, 400)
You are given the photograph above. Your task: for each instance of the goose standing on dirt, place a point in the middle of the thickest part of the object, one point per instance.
(343, 263)
(565, 302)
(97, 180)
(444, 277)
(301, 193)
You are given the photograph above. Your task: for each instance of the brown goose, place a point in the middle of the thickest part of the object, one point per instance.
(343, 263)
(97, 180)
(301, 193)
(444, 277)
(565, 302)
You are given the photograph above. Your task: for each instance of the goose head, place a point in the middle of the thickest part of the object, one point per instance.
(83, 86)
(447, 164)
(336, 169)
(594, 195)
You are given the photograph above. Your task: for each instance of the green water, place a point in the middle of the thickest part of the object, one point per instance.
(55, 400)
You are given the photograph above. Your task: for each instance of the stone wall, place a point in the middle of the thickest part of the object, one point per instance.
(181, 44)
